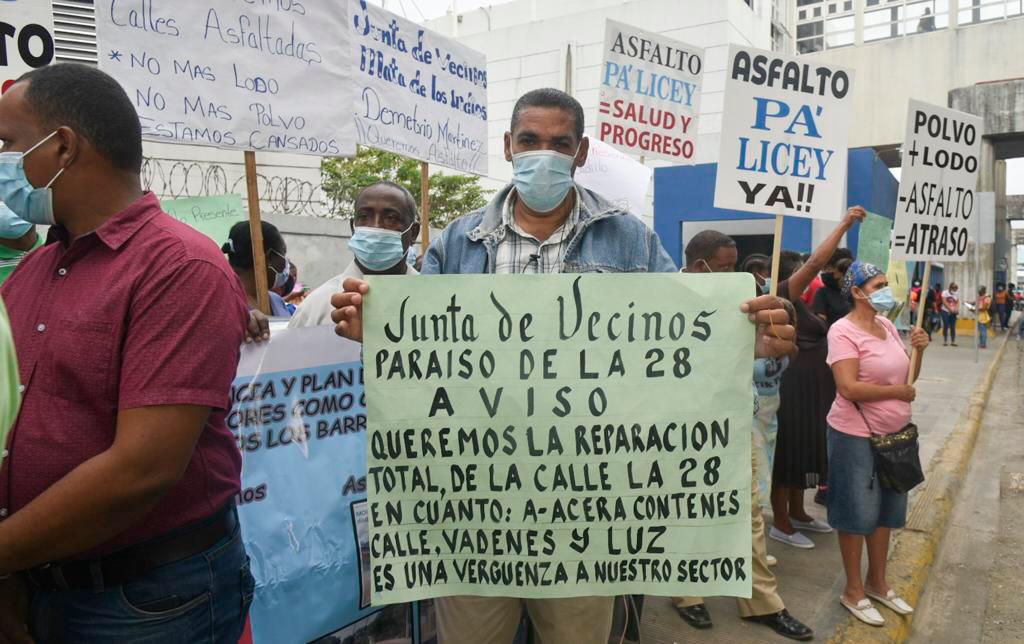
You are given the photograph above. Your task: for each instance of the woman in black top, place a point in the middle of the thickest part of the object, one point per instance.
(807, 393)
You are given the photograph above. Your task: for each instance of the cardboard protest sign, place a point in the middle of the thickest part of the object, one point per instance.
(873, 240)
(615, 176)
(937, 184)
(650, 93)
(533, 437)
(417, 93)
(299, 416)
(785, 128)
(26, 38)
(212, 216)
(263, 76)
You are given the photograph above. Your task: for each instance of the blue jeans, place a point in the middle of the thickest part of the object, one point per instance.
(948, 326)
(204, 598)
(982, 334)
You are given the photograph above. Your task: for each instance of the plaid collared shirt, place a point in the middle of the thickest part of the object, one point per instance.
(521, 252)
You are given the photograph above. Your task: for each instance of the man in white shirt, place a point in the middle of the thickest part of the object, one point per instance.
(384, 226)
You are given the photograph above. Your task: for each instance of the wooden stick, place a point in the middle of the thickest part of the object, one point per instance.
(256, 231)
(424, 207)
(776, 254)
(915, 355)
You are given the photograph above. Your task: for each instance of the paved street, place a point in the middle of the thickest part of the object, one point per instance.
(810, 580)
(976, 588)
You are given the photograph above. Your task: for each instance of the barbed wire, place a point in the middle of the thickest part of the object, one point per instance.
(279, 194)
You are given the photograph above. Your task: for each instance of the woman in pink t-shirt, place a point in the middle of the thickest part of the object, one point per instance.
(870, 365)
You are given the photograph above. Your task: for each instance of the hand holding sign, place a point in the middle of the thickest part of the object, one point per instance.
(348, 309)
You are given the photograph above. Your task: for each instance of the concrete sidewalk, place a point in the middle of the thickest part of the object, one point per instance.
(810, 581)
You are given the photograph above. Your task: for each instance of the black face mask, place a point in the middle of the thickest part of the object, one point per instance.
(829, 280)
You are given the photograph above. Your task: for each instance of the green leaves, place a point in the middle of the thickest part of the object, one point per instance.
(451, 195)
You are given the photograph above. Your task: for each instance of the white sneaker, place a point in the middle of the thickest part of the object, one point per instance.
(771, 561)
(797, 539)
(813, 526)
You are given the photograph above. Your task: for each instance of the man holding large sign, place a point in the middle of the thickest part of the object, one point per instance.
(784, 135)
(544, 223)
(937, 184)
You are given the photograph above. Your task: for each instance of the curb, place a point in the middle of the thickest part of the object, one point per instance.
(914, 548)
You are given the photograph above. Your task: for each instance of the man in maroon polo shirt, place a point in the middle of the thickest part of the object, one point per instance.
(117, 520)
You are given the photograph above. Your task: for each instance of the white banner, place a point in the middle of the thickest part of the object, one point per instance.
(418, 93)
(264, 76)
(785, 130)
(650, 93)
(937, 184)
(616, 177)
(26, 38)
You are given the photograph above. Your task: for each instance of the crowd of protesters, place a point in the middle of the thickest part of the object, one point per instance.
(117, 487)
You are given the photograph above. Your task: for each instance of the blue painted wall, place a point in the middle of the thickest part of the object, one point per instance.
(687, 193)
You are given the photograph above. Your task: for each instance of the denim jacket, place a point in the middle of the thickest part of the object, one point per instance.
(607, 240)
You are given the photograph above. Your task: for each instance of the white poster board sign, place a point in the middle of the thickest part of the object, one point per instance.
(937, 184)
(26, 38)
(263, 76)
(616, 176)
(650, 94)
(785, 131)
(417, 93)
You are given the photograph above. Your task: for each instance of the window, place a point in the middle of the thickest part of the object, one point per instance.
(839, 32)
(809, 37)
(982, 10)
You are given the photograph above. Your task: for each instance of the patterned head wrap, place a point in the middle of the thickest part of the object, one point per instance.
(858, 274)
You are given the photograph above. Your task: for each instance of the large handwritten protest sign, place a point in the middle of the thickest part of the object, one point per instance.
(937, 184)
(650, 93)
(273, 76)
(785, 128)
(213, 216)
(298, 414)
(558, 435)
(26, 38)
(418, 93)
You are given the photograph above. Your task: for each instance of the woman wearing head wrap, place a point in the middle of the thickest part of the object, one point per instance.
(870, 365)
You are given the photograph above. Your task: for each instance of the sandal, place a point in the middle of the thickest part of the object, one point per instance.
(865, 611)
(892, 601)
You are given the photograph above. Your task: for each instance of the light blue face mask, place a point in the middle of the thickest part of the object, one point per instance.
(378, 249)
(767, 286)
(34, 205)
(882, 300)
(542, 178)
(281, 277)
(11, 225)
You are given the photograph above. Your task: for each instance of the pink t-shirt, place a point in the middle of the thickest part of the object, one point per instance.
(882, 362)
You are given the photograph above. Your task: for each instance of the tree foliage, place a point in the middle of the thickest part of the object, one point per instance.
(451, 195)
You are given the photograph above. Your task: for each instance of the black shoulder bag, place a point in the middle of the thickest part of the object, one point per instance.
(897, 462)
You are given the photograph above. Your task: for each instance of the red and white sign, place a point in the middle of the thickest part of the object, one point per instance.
(650, 94)
(26, 38)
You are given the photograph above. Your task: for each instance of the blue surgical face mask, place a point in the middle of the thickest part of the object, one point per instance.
(882, 300)
(542, 178)
(11, 225)
(378, 249)
(281, 277)
(34, 205)
(767, 286)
